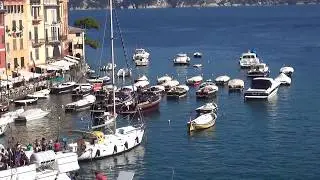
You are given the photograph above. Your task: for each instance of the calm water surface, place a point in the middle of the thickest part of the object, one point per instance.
(277, 139)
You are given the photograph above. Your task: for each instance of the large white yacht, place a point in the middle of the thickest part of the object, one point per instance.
(262, 88)
(248, 59)
(141, 57)
(181, 59)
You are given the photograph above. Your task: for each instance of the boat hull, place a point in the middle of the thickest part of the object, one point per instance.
(63, 90)
(26, 102)
(262, 97)
(198, 127)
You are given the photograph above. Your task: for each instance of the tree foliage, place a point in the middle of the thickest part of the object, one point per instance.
(92, 43)
(87, 23)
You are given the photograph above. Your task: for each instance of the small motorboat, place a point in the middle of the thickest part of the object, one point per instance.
(108, 67)
(222, 80)
(42, 94)
(140, 54)
(236, 85)
(157, 89)
(141, 84)
(283, 79)
(31, 114)
(207, 108)
(197, 55)
(80, 105)
(287, 70)
(124, 72)
(4, 108)
(248, 59)
(4, 123)
(62, 88)
(26, 101)
(146, 102)
(259, 70)
(178, 91)
(197, 65)
(204, 121)
(163, 79)
(170, 84)
(13, 114)
(103, 120)
(97, 79)
(207, 90)
(194, 81)
(262, 88)
(82, 90)
(181, 59)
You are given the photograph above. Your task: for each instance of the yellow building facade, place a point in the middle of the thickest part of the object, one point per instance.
(16, 35)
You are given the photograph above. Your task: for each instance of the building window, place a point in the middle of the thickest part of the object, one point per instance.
(77, 34)
(30, 35)
(14, 25)
(16, 63)
(8, 47)
(18, 8)
(11, 9)
(20, 25)
(21, 43)
(37, 53)
(22, 62)
(21, 8)
(2, 38)
(31, 57)
(14, 9)
(14, 44)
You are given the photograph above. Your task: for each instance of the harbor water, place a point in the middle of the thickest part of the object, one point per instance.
(275, 139)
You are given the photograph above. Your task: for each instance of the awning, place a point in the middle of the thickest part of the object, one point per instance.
(29, 75)
(73, 57)
(62, 64)
(48, 67)
(71, 60)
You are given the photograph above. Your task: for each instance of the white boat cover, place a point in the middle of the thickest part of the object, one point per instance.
(141, 84)
(283, 79)
(29, 75)
(164, 79)
(62, 64)
(208, 106)
(195, 79)
(183, 86)
(204, 119)
(142, 78)
(286, 69)
(223, 78)
(236, 83)
(160, 87)
(171, 83)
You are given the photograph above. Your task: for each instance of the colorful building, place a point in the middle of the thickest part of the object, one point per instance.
(16, 35)
(2, 37)
(64, 11)
(76, 42)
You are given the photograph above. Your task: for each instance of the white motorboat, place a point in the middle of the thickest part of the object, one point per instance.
(262, 88)
(98, 144)
(82, 90)
(222, 80)
(197, 55)
(142, 84)
(141, 62)
(248, 59)
(181, 59)
(287, 70)
(4, 123)
(129, 88)
(124, 72)
(157, 89)
(80, 105)
(13, 114)
(163, 79)
(31, 114)
(62, 88)
(207, 90)
(283, 79)
(142, 78)
(170, 84)
(42, 94)
(26, 101)
(178, 91)
(140, 54)
(108, 67)
(235, 84)
(103, 80)
(197, 65)
(259, 70)
(204, 121)
(194, 81)
(207, 108)
(44, 165)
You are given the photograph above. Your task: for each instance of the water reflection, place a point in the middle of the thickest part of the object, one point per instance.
(210, 132)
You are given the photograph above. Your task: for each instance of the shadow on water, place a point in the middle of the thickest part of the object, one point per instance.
(210, 132)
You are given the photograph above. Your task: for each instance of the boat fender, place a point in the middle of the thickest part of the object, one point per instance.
(137, 140)
(97, 153)
(115, 149)
(126, 145)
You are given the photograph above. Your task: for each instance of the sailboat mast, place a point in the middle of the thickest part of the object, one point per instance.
(112, 59)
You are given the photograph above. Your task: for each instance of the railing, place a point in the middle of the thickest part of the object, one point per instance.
(37, 42)
(52, 40)
(51, 2)
(35, 2)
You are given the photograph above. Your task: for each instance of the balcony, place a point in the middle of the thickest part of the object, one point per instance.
(36, 20)
(50, 3)
(35, 2)
(37, 42)
(52, 40)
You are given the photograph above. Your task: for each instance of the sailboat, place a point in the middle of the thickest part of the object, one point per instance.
(96, 144)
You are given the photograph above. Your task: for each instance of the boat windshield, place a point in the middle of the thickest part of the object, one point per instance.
(260, 84)
(139, 51)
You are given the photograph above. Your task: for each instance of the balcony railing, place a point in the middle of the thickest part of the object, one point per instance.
(35, 2)
(51, 2)
(37, 42)
(53, 40)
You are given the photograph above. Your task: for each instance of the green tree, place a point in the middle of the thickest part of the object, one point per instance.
(89, 23)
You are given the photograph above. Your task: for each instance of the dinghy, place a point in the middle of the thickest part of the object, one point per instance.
(42, 94)
(170, 84)
(287, 70)
(82, 90)
(163, 79)
(178, 91)
(222, 80)
(197, 55)
(26, 101)
(124, 72)
(195, 80)
(202, 122)
(236, 84)
(197, 65)
(62, 88)
(207, 108)
(283, 79)
(80, 105)
(207, 90)
(181, 59)
(157, 89)
(31, 114)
